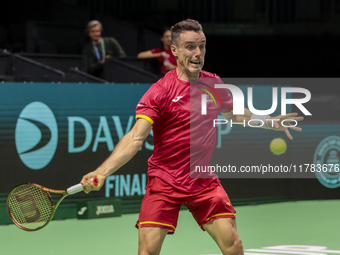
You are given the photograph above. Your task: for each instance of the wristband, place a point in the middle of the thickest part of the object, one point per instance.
(259, 121)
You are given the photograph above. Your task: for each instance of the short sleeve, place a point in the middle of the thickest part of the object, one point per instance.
(150, 105)
(156, 50)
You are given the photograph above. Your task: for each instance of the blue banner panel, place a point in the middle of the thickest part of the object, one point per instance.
(53, 134)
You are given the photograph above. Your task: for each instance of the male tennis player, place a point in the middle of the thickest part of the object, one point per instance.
(165, 109)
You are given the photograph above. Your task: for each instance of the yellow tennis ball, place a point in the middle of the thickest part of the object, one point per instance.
(278, 146)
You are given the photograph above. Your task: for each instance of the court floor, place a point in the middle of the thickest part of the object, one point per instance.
(304, 228)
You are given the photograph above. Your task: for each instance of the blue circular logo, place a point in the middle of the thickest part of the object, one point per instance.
(327, 155)
(36, 135)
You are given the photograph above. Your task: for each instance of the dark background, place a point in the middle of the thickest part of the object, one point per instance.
(245, 38)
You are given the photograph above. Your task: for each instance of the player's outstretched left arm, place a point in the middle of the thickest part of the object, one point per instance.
(278, 123)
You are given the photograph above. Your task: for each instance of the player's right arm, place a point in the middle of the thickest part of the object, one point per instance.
(124, 151)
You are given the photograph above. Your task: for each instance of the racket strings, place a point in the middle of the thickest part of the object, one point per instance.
(30, 206)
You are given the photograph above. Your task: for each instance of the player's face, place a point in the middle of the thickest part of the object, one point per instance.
(190, 53)
(166, 38)
(95, 33)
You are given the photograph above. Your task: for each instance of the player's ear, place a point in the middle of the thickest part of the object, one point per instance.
(174, 50)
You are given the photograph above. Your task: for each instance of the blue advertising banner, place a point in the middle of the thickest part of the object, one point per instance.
(53, 134)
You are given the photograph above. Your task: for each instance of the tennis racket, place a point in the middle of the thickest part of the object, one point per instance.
(30, 205)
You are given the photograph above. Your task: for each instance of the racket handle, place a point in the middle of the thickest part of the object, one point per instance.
(75, 189)
(79, 187)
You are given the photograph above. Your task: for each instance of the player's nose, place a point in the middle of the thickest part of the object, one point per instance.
(198, 52)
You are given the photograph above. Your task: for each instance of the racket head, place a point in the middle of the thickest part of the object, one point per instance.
(30, 206)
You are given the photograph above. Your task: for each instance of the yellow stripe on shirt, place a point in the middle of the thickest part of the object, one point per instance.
(139, 116)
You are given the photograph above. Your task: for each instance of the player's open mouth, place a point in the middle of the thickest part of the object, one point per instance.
(195, 62)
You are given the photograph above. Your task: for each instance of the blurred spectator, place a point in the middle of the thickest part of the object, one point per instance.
(99, 48)
(163, 54)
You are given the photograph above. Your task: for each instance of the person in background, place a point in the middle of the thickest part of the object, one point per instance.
(163, 54)
(99, 48)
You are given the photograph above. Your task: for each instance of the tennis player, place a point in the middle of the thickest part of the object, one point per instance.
(165, 108)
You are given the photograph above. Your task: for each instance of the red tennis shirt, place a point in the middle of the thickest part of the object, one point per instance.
(182, 136)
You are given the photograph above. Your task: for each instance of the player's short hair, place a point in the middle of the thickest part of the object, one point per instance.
(93, 23)
(185, 25)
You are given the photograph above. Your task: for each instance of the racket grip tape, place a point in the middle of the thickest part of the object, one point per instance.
(79, 187)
